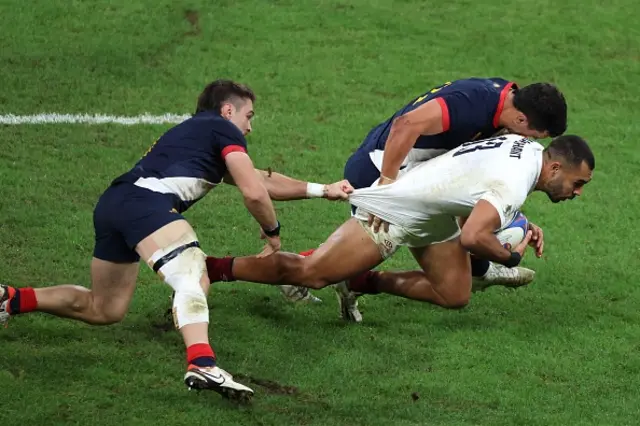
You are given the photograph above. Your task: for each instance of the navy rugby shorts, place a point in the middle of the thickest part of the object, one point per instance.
(125, 215)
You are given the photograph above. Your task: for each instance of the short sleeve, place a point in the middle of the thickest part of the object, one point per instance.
(472, 108)
(229, 138)
(505, 201)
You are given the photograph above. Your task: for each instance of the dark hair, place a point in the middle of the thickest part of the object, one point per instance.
(220, 91)
(572, 149)
(545, 107)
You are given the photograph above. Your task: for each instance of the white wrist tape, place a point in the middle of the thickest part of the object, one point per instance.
(315, 190)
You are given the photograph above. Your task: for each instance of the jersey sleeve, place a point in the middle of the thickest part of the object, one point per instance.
(505, 201)
(229, 139)
(512, 180)
(472, 107)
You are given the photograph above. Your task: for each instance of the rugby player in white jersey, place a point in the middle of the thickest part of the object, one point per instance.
(484, 182)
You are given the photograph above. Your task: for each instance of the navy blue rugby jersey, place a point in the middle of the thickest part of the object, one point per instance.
(187, 161)
(471, 110)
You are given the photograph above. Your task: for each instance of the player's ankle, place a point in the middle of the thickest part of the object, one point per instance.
(201, 355)
(479, 267)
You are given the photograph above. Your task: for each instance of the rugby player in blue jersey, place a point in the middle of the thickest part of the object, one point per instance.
(436, 122)
(139, 216)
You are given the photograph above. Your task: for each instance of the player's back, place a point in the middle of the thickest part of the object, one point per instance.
(505, 167)
(470, 108)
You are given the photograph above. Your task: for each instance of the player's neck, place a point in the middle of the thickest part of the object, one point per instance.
(509, 112)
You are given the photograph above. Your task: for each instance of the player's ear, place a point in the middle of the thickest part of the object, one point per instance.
(555, 167)
(227, 110)
(522, 120)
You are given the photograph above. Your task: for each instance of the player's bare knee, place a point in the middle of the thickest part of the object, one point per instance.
(97, 311)
(108, 317)
(458, 292)
(313, 275)
(318, 283)
(296, 270)
(456, 302)
(82, 299)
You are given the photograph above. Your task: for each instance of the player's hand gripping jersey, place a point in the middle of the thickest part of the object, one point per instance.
(422, 205)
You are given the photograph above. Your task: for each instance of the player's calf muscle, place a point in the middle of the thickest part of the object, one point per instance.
(279, 268)
(72, 301)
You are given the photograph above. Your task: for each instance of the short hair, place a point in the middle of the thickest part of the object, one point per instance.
(220, 91)
(545, 107)
(572, 149)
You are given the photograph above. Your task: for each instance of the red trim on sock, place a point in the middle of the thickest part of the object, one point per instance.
(307, 253)
(364, 283)
(199, 350)
(28, 301)
(220, 269)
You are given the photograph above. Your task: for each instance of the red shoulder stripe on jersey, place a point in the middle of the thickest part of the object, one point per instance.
(503, 96)
(232, 148)
(446, 123)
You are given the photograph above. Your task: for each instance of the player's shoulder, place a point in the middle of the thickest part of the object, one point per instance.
(481, 86)
(210, 121)
(521, 156)
(522, 141)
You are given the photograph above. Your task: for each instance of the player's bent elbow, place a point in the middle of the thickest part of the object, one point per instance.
(254, 195)
(400, 124)
(468, 239)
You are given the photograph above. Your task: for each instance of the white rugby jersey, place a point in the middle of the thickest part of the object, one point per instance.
(502, 170)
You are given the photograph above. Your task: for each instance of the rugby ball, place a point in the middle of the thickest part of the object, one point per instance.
(512, 234)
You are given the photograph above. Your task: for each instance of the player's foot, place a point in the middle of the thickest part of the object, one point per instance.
(218, 380)
(348, 303)
(501, 275)
(298, 294)
(6, 293)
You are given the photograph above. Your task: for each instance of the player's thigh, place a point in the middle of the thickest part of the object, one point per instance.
(175, 233)
(114, 267)
(446, 265)
(112, 287)
(347, 252)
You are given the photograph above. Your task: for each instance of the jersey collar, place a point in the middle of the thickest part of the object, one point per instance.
(503, 96)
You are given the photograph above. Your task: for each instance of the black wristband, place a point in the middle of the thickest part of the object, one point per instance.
(274, 232)
(514, 260)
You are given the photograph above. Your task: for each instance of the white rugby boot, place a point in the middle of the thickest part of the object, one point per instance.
(6, 293)
(298, 294)
(217, 380)
(348, 301)
(501, 275)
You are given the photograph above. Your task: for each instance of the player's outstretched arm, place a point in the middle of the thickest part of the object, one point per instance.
(478, 236)
(284, 188)
(256, 197)
(424, 120)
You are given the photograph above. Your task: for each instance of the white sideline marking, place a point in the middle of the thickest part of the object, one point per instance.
(55, 118)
